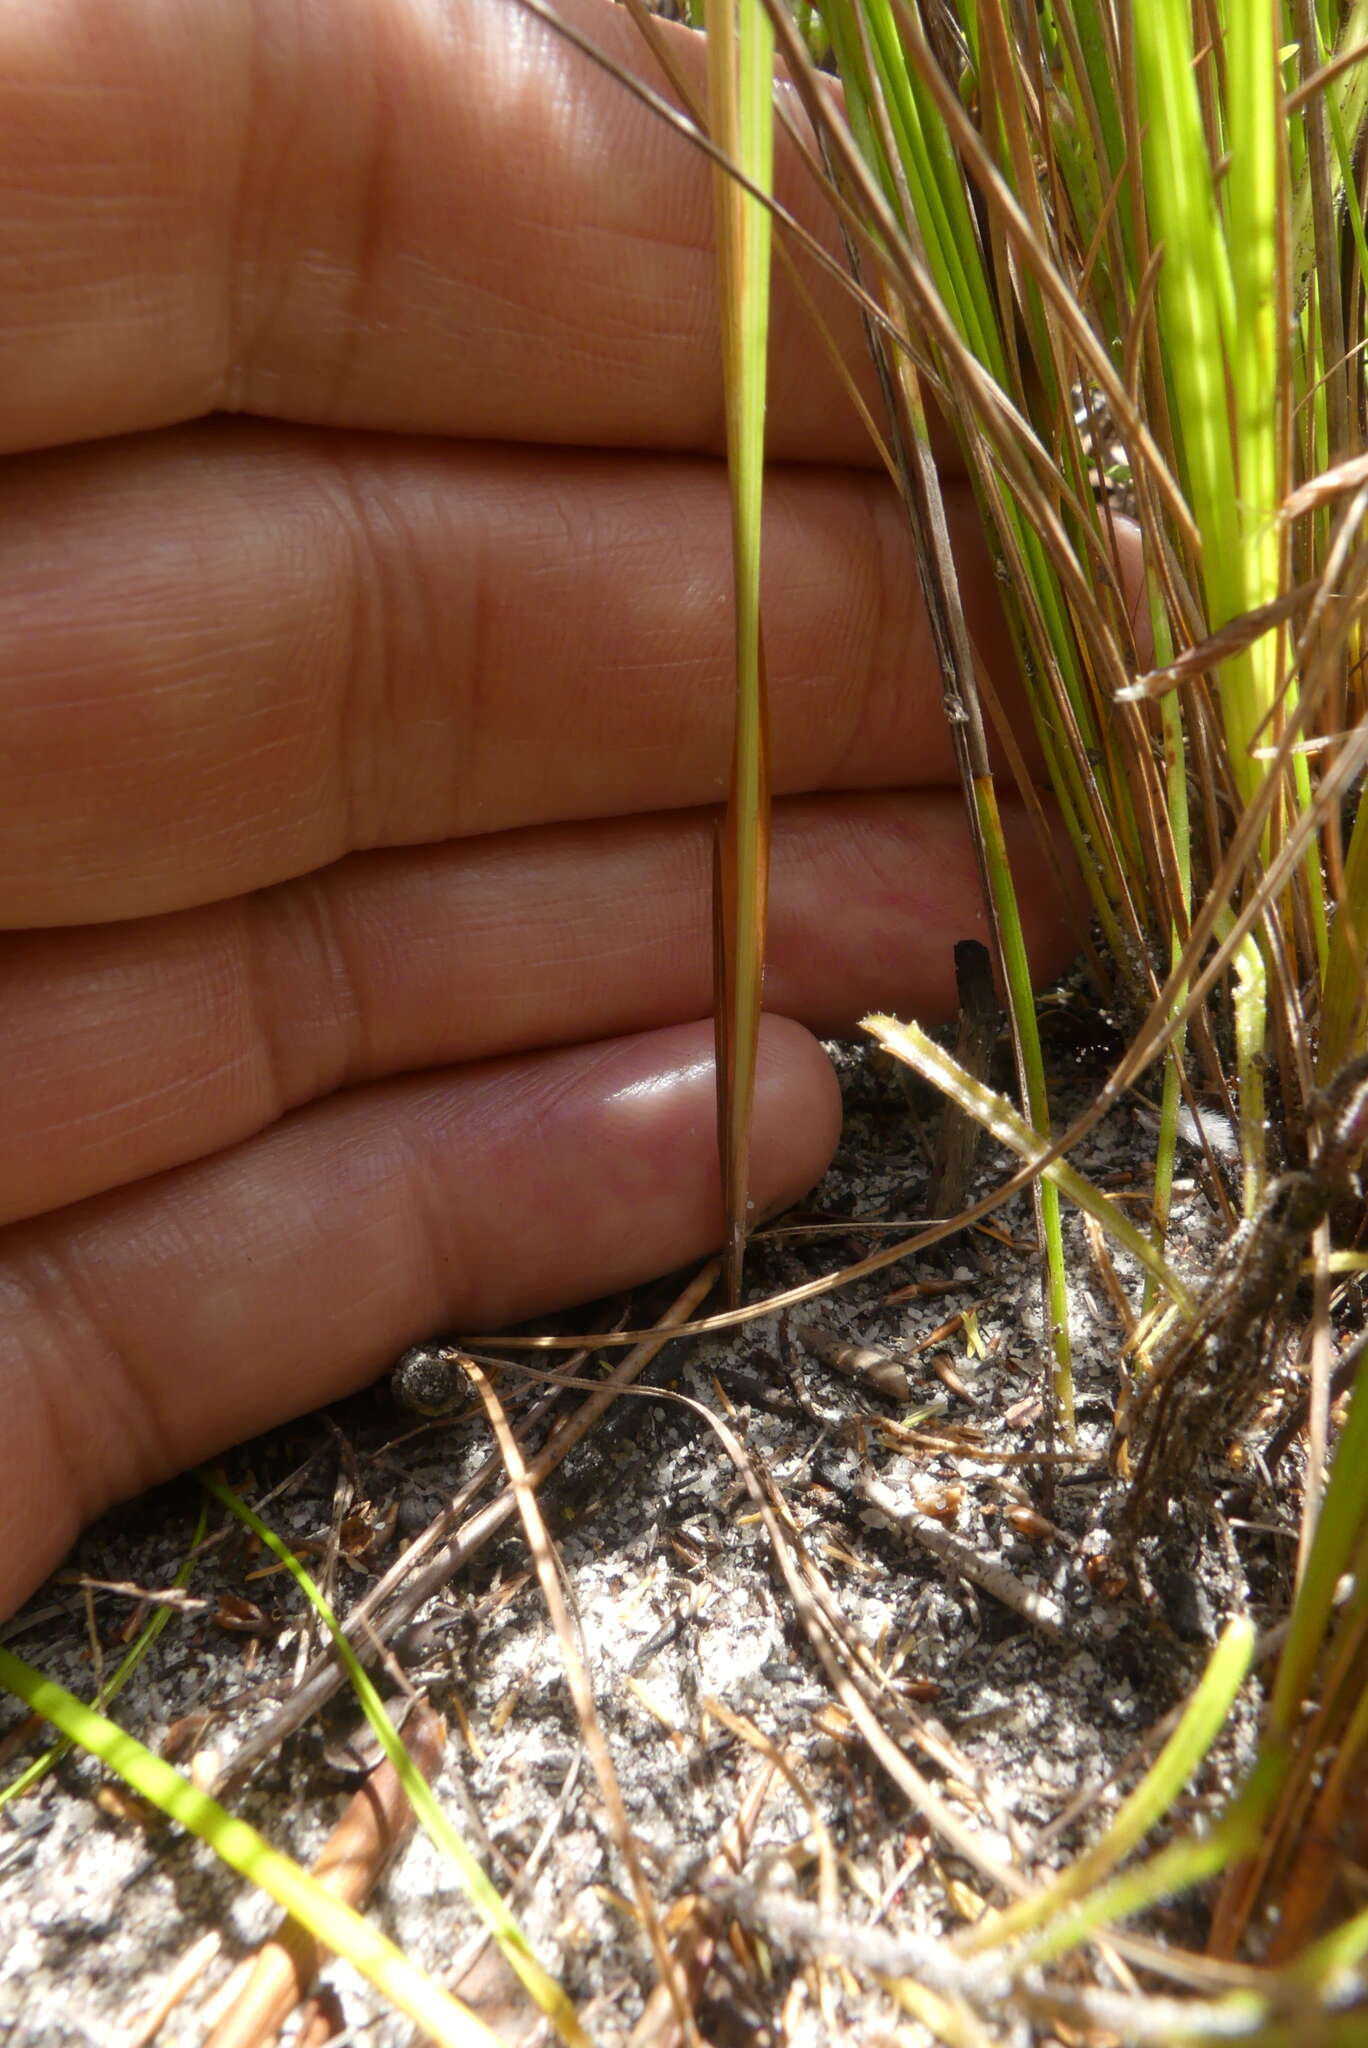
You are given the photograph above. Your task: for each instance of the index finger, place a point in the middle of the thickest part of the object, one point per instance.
(383, 214)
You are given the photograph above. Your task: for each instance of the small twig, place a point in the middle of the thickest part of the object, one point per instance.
(520, 1883)
(819, 1612)
(549, 1574)
(957, 1141)
(862, 1362)
(1206, 1386)
(1341, 1379)
(374, 1824)
(796, 1928)
(695, 1932)
(128, 1589)
(143, 2028)
(987, 1573)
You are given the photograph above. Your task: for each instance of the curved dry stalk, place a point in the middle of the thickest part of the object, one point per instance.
(397, 1596)
(550, 1573)
(372, 1827)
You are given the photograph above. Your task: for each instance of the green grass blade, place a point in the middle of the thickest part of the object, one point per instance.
(1341, 1529)
(740, 89)
(910, 1043)
(33, 1773)
(1176, 796)
(1182, 1865)
(1335, 1954)
(1026, 1036)
(442, 2018)
(1344, 1000)
(483, 1896)
(1201, 1723)
(1196, 298)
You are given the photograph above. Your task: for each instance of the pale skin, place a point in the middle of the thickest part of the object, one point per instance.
(364, 679)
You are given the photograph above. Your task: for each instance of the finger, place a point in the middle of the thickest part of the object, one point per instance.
(369, 213)
(127, 1049)
(228, 656)
(149, 1328)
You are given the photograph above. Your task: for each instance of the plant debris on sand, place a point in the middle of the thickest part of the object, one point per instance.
(1018, 1684)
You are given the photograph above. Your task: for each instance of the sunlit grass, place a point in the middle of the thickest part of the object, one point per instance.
(740, 70)
(244, 1850)
(1122, 247)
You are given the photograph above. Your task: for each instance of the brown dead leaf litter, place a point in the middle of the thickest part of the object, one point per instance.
(965, 1597)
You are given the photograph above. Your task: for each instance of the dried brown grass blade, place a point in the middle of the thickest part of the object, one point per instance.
(581, 1691)
(389, 1605)
(370, 1830)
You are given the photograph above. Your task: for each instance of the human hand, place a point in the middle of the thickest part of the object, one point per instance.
(364, 651)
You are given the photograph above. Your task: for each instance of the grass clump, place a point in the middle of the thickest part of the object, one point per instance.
(1119, 250)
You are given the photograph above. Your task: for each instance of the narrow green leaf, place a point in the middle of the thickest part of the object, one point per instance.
(1202, 1721)
(482, 1894)
(443, 2018)
(740, 97)
(137, 1650)
(910, 1043)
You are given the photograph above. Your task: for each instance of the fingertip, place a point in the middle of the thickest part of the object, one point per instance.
(1130, 561)
(291, 1267)
(797, 1115)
